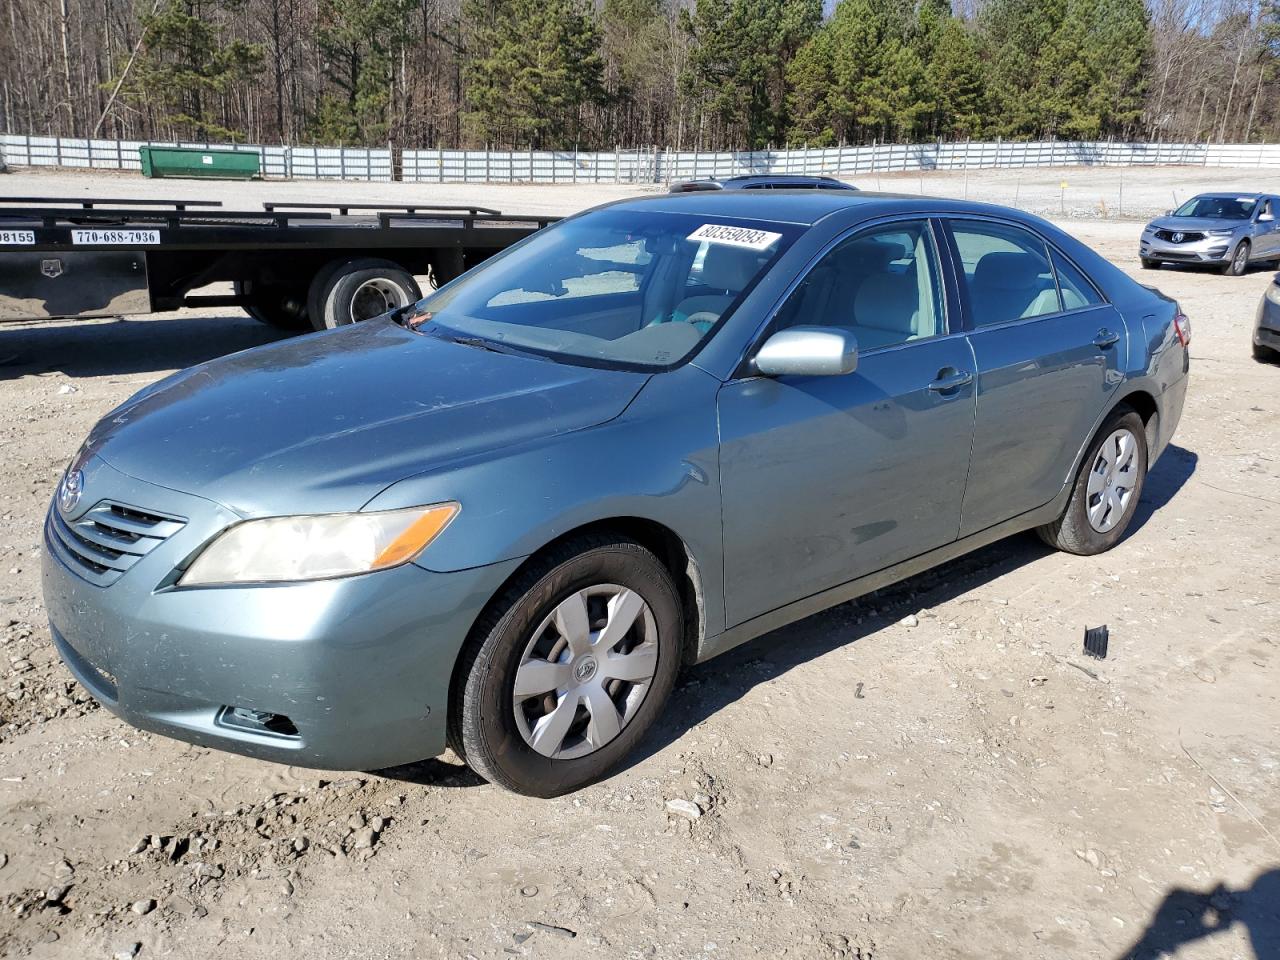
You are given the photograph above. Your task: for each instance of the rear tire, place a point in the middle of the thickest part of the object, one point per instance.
(1239, 262)
(549, 628)
(364, 289)
(1105, 497)
(274, 306)
(1264, 354)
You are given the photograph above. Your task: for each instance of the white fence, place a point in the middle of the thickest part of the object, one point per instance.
(301, 163)
(643, 165)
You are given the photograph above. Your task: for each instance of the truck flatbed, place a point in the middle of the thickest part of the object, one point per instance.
(291, 264)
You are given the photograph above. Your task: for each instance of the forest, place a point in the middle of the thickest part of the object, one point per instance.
(683, 74)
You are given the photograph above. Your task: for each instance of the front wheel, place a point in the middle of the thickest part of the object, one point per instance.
(1264, 354)
(1149, 264)
(1106, 491)
(1239, 261)
(569, 668)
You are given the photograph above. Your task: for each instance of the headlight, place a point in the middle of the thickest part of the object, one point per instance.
(1273, 294)
(313, 548)
(1218, 233)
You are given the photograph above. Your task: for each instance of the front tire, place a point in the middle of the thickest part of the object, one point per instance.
(1239, 261)
(1149, 264)
(568, 668)
(1107, 489)
(1264, 354)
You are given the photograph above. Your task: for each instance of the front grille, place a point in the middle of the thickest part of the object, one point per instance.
(1168, 235)
(109, 539)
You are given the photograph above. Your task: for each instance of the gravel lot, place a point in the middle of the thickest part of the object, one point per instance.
(965, 787)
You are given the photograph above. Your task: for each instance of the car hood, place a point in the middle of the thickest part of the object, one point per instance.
(323, 423)
(1196, 224)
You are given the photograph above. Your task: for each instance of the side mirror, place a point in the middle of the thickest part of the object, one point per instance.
(808, 352)
(1168, 213)
(1265, 217)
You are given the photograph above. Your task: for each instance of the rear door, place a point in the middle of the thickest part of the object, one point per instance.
(1049, 352)
(825, 479)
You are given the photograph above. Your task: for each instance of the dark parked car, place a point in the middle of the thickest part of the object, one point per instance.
(505, 516)
(1266, 331)
(763, 182)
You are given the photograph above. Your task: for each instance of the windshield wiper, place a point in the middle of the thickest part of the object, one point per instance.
(478, 342)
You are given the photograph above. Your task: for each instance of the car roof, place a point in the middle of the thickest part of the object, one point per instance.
(807, 207)
(1237, 195)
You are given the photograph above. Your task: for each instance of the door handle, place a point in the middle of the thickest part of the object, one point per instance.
(1106, 338)
(953, 380)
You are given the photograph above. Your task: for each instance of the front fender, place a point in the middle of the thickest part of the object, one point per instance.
(657, 461)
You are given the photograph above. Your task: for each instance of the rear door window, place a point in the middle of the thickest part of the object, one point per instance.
(1076, 290)
(1006, 272)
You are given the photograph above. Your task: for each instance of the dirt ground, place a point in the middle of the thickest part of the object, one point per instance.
(966, 787)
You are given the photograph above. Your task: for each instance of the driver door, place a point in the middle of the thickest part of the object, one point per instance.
(825, 479)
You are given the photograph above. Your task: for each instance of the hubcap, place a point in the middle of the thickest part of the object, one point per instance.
(375, 297)
(1241, 255)
(585, 671)
(1112, 480)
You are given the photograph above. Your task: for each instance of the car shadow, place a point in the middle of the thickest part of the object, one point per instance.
(124, 346)
(432, 773)
(1185, 916)
(1167, 477)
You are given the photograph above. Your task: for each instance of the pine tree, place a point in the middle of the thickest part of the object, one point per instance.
(738, 63)
(359, 40)
(534, 66)
(860, 76)
(957, 79)
(187, 62)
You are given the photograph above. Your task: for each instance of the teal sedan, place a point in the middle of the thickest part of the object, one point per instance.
(503, 518)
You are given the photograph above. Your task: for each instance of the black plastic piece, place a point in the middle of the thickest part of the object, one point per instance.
(1095, 642)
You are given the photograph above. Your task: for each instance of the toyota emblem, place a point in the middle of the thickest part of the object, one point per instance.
(70, 490)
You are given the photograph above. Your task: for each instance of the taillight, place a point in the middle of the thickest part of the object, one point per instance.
(1182, 327)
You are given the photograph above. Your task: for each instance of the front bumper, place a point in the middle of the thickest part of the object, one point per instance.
(1208, 250)
(1266, 331)
(360, 666)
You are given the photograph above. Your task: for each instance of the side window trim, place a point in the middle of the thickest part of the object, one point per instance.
(961, 281)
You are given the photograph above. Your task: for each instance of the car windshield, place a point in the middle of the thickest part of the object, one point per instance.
(617, 288)
(1218, 208)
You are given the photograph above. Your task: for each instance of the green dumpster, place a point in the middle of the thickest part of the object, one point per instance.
(191, 162)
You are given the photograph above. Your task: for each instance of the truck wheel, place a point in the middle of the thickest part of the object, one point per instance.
(274, 306)
(364, 289)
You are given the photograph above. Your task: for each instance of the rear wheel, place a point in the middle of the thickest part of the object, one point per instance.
(364, 289)
(1239, 261)
(1106, 491)
(274, 306)
(569, 668)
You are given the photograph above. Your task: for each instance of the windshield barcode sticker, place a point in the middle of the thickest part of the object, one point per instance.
(17, 237)
(99, 238)
(735, 236)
